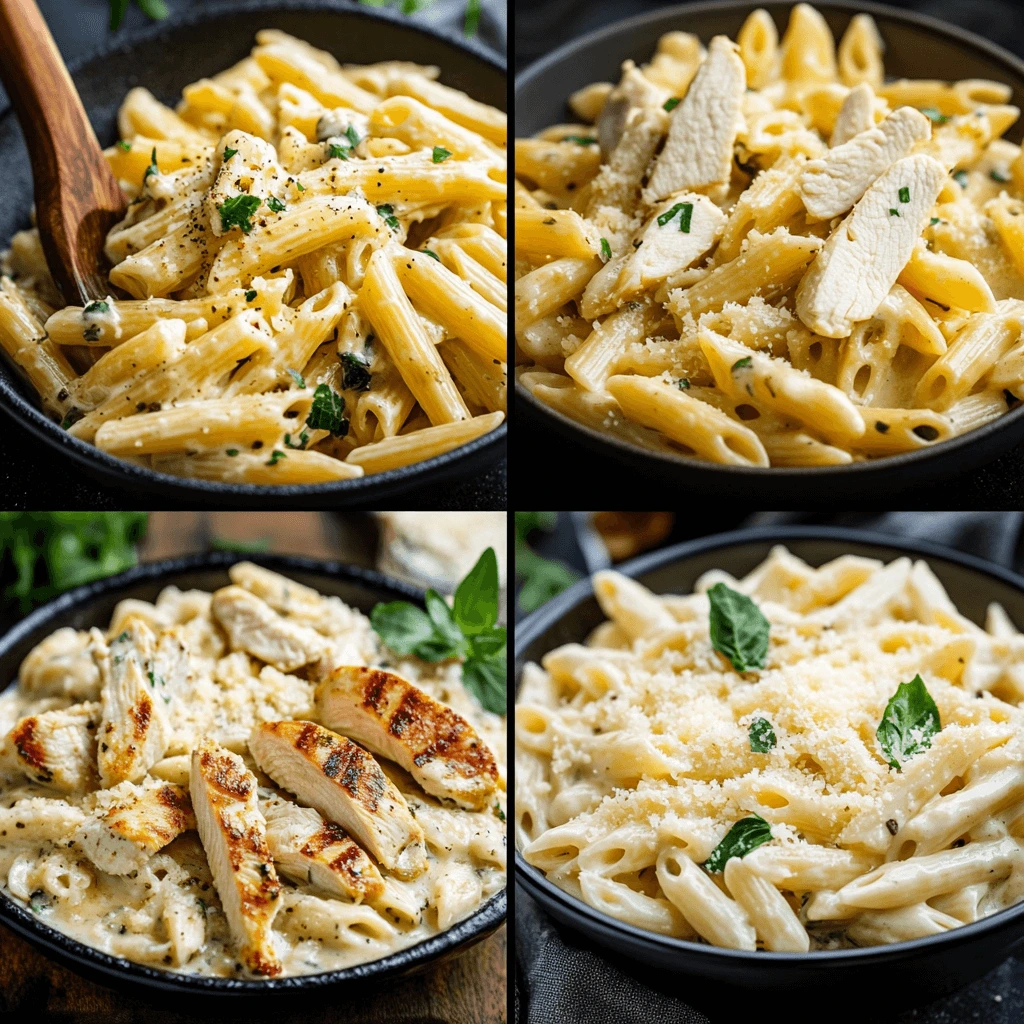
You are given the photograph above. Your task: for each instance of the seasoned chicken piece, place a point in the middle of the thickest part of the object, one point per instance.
(634, 90)
(856, 115)
(858, 265)
(346, 785)
(703, 128)
(38, 820)
(680, 231)
(308, 849)
(830, 185)
(437, 746)
(61, 665)
(58, 748)
(120, 839)
(255, 627)
(234, 837)
(134, 732)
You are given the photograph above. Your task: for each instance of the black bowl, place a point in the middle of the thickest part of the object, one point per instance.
(916, 47)
(92, 605)
(169, 56)
(885, 976)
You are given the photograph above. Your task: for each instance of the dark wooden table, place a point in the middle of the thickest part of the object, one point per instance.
(469, 989)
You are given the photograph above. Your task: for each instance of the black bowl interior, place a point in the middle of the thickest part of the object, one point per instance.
(92, 605)
(164, 59)
(916, 47)
(906, 970)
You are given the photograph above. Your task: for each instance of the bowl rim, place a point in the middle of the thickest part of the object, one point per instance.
(119, 473)
(617, 447)
(80, 956)
(533, 625)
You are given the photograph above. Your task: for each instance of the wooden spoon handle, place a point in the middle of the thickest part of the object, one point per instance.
(77, 197)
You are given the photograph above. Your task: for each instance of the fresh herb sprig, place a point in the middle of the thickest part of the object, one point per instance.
(467, 630)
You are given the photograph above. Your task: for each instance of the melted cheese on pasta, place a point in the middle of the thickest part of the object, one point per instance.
(168, 914)
(634, 759)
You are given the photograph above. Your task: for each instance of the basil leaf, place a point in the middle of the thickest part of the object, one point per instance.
(746, 835)
(762, 736)
(476, 597)
(910, 721)
(738, 629)
(486, 680)
(448, 641)
(402, 626)
(487, 644)
(327, 411)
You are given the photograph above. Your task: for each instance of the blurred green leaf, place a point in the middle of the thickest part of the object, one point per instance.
(256, 546)
(155, 9)
(542, 578)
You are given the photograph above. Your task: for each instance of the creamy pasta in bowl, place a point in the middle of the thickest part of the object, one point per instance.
(141, 837)
(817, 758)
(664, 299)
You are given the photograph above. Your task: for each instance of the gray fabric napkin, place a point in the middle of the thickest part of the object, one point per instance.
(560, 977)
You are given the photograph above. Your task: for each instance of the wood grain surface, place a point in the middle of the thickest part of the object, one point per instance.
(77, 197)
(468, 989)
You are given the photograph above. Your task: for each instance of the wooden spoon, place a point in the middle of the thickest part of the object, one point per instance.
(77, 197)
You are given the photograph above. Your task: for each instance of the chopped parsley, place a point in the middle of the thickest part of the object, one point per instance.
(152, 168)
(250, 295)
(430, 252)
(232, 452)
(440, 154)
(499, 812)
(934, 221)
(904, 194)
(229, 152)
(683, 384)
(99, 306)
(387, 211)
(238, 212)
(303, 441)
(997, 175)
(672, 103)
(685, 211)
(352, 135)
(275, 204)
(327, 411)
(742, 364)
(934, 115)
(275, 457)
(297, 377)
(123, 637)
(893, 212)
(339, 152)
(357, 372)
(126, 146)
(606, 249)
(581, 140)
(960, 177)
(300, 186)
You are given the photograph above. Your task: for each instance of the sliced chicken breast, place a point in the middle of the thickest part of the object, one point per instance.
(703, 128)
(134, 731)
(58, 748)
(680, 231)
(346, 785)
(308, 849)
(830, 185)
(436, 745)
(61, 665)
(859, 263)
(120, 839)
(233, 833)
(257, 629)
(856, 115)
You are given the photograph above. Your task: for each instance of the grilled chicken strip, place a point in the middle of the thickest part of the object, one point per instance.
(397, 720)
(308, 849)
(256, 628)
(234, 837)
(346, 785)
(135, 731)
(120, 839)
(58, 748)
(61, 665)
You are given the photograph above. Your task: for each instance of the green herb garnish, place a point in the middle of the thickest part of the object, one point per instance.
(606, 249)
(387, 211)
(960, 177)
(934, 115)
(155, 9)
(300, 186)
(303, 441)
(746, 835)
(430, 252)
(934, 221)
(738, 629)
(685, 211)
(893, 212)
(327, 411)
(228, 153)
(340, 152)
(467, 630)
(250, 295)
(152, 168)
(440, 154)
(671, 103)
(580, 140)
(499, 812)
(99, 306)
(238, 212)
(232, 452)
(910, 721)
(357, 372)
(997, 175)
(904, 194)
(298, 378)
(123, 144)
(683, 384)
(742, 364)
(762, 736)
(275, 457)
(275, 204)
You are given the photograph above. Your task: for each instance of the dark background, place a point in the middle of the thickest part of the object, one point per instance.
(32, 476)
(542, 25)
